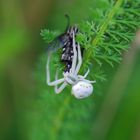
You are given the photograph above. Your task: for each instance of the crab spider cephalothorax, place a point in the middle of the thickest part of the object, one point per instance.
(81, 87)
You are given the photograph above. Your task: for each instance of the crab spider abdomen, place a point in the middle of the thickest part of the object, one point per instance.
(82, 89)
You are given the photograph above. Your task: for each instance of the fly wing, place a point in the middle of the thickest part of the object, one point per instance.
(55, 45)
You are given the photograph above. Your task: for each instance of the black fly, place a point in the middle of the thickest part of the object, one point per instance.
(64, 41)
(67, 54)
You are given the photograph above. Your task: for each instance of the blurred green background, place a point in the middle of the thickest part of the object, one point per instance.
(29, 109)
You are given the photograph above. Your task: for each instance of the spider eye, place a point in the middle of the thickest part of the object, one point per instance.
(82, 89)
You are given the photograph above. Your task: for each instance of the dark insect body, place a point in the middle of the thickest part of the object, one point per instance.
(65, 41)
(67, 53)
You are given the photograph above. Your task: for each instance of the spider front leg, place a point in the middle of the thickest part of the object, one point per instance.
(86, 74)
(74, 54)
(56, 82)
(58, 90)
(79, 60)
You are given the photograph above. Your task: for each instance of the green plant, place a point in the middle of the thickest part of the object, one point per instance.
(105, 40)
(108, 32)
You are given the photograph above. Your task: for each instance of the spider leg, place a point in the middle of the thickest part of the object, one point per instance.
(86, 74)
(69, 78)
(79, 59)
(58, 90)
(69, 81)
(48, 75)
(75, 55)
(88, 81)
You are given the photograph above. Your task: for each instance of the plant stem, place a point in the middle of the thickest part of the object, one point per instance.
(103, 28)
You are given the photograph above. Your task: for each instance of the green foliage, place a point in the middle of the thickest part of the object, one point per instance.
(105, 39)
(48, 36)
(114, 33)
(108, 32)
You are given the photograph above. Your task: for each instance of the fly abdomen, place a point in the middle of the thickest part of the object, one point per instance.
(67, 57)
(67, 53)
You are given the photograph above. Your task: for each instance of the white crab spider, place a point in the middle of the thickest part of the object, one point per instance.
(81, 87)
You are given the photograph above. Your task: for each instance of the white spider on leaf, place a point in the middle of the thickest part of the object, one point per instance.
(81, 87)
